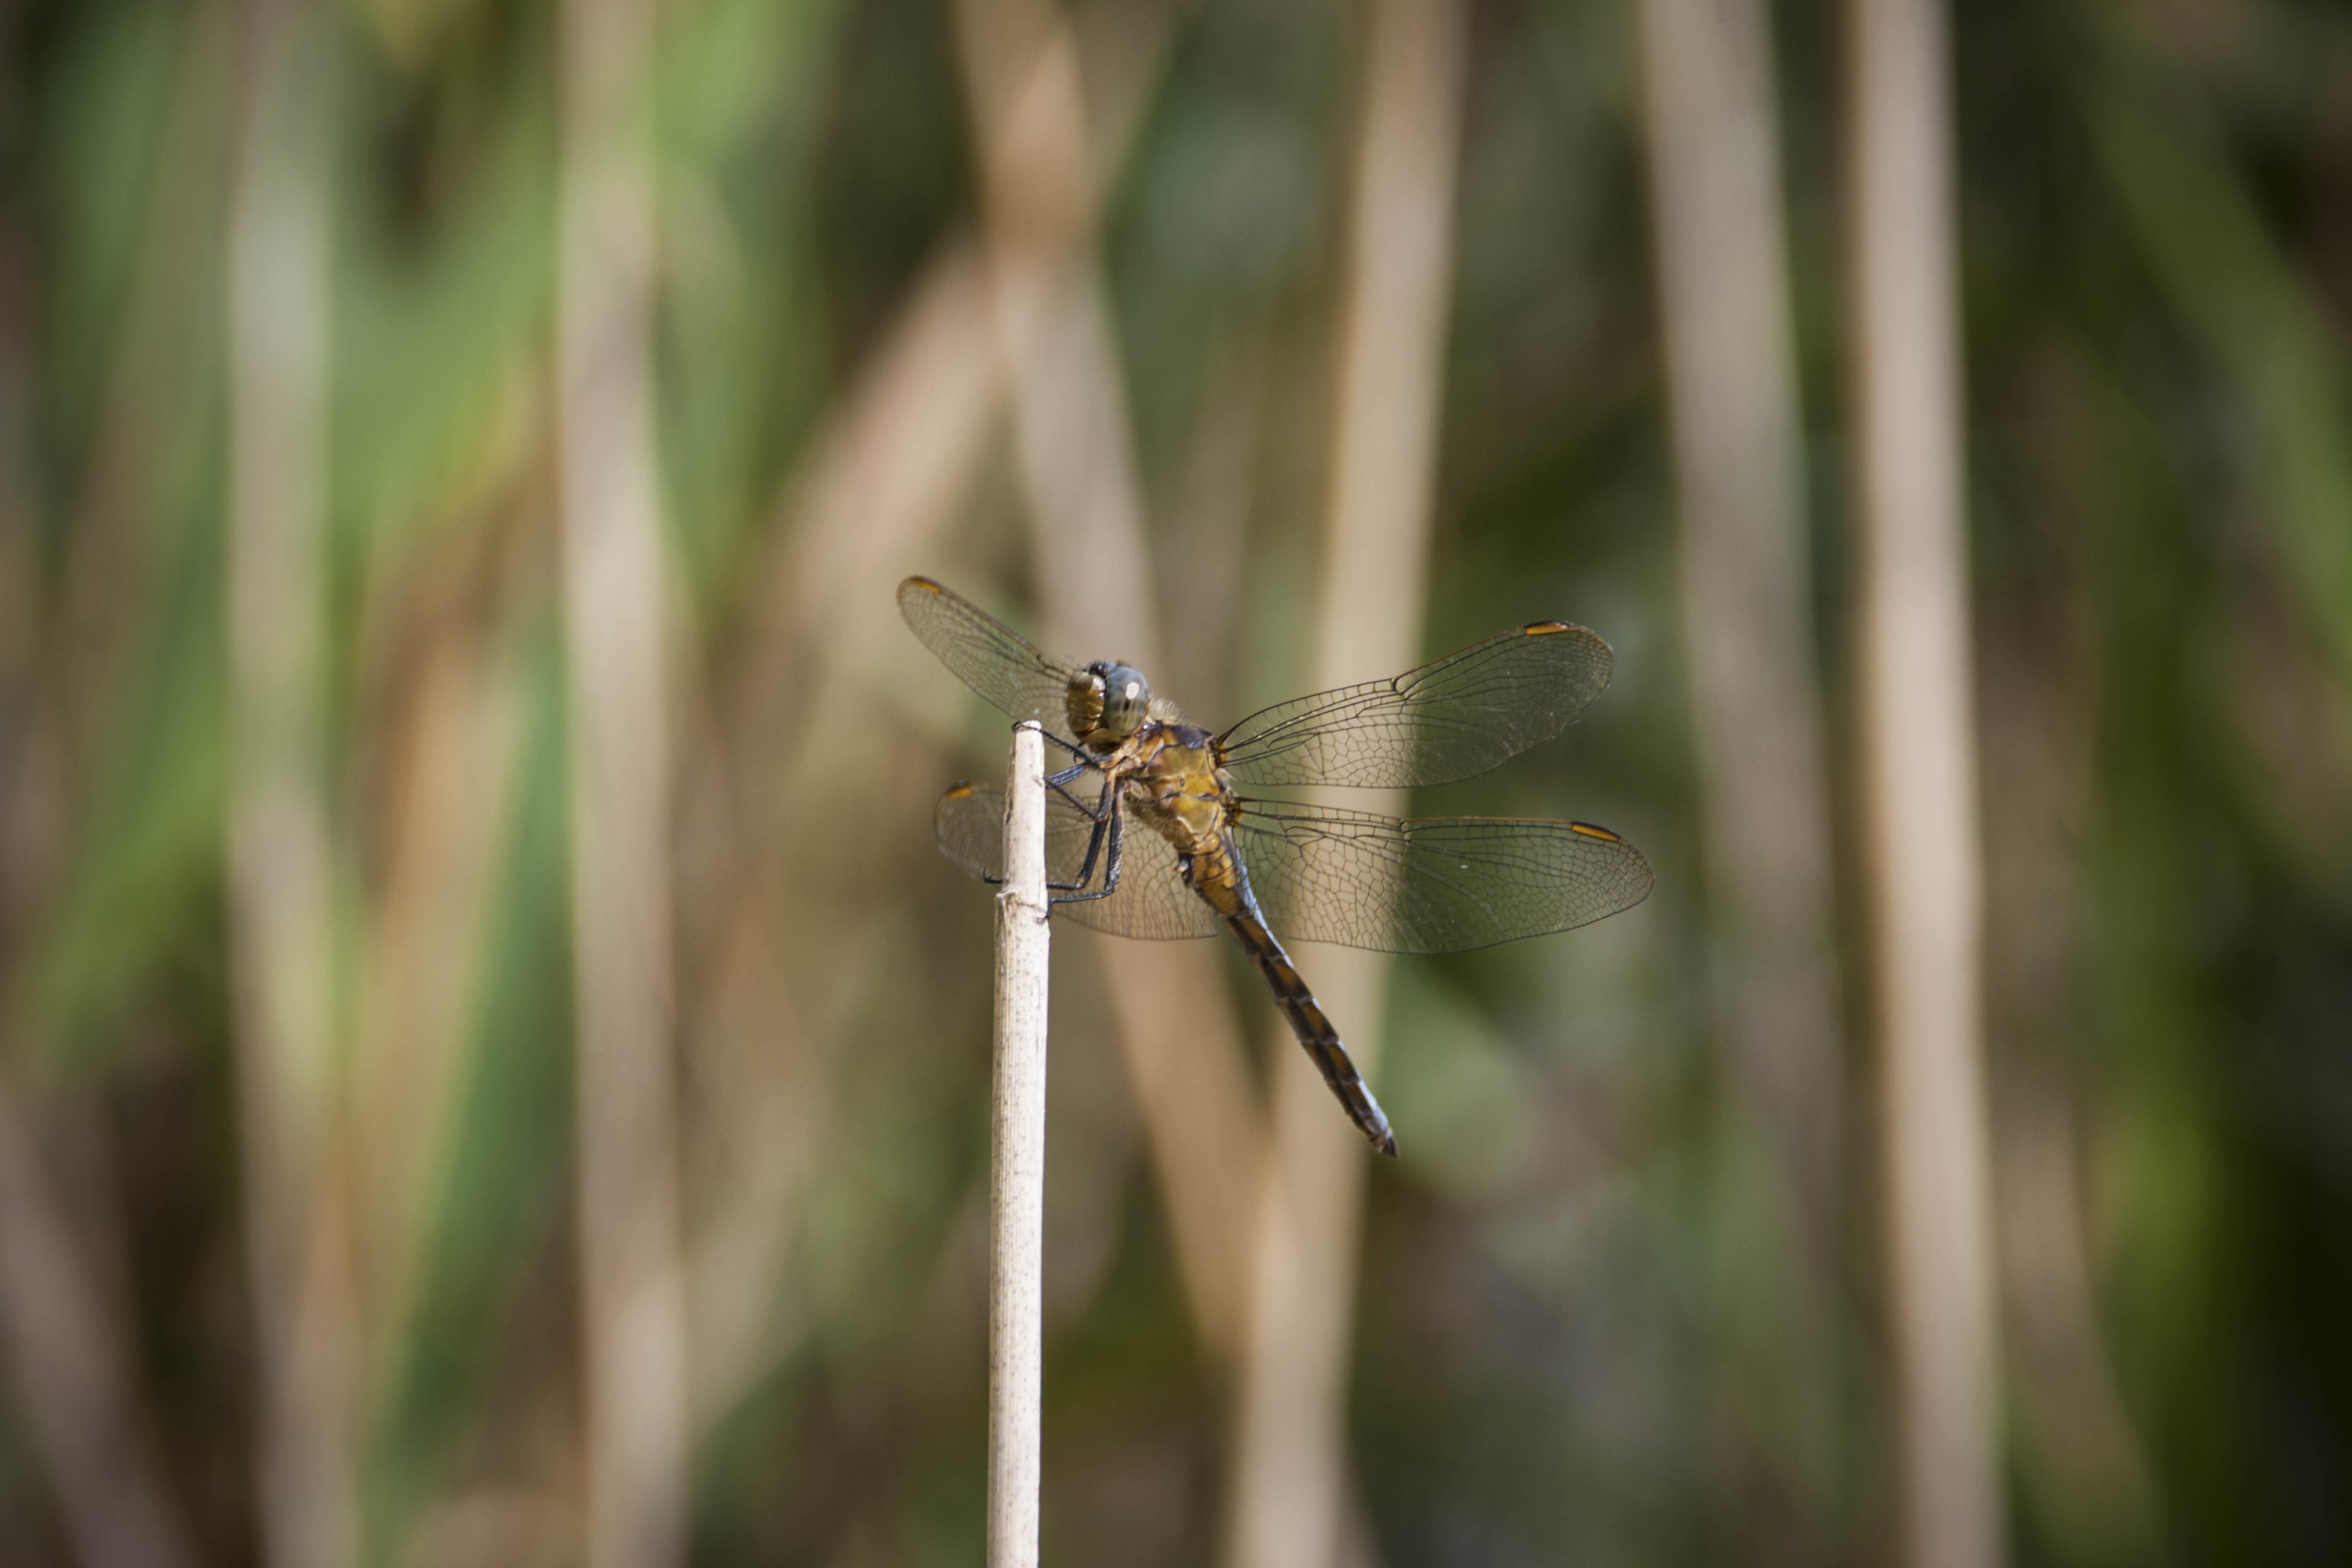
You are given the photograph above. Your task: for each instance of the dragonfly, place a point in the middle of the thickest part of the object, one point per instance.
(1262, 870)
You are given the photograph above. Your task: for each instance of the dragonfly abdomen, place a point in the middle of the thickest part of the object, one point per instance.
(1312, 1027)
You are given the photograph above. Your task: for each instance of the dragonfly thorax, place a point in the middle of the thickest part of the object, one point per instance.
(1108, 701)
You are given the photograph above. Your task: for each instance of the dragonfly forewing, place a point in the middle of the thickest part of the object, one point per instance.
(1016, 677)
(1452, 719)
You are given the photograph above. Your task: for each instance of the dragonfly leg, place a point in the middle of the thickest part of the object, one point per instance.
(1102, 817)
(1086, 759)
(1085, 866)
(1091, 812)
(1107, 833)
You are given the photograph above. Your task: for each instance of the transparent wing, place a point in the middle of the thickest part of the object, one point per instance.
(1439, 884)
(987, 654)
(1446, 721)
(1153, 901)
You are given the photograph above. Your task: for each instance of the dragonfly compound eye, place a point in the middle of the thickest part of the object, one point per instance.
(1108, 702)
(1127, 698)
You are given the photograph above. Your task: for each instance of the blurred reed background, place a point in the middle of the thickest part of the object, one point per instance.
(491, 1065)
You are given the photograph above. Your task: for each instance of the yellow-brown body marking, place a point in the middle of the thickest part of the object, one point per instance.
(1168, 778)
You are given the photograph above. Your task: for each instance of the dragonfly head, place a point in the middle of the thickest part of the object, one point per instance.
(1108, 702)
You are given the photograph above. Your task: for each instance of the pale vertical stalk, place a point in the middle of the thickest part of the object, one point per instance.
(281, 906)
(1017, 1165)
(1918, 776)
(1044, 199)
(1747, 608)
(1041, 189)
(884, 481)
(1747, 629)
(899, 452)
(633, 1306)
(1289, 1481)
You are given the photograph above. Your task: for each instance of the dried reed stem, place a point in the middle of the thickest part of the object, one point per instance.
(632, 1276)
(1041, 162)
(280, 898)
(1747, 609)
(448, 745)
(794, 756)
(1918, 777)
(1746, 627)
(1289, 1481)
(1017, 1165)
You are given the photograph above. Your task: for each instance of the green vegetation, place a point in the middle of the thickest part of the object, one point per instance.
(2157, 212)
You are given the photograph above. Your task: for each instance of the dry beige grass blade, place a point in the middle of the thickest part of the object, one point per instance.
(1918, 777)
(1289, 1487)
(784, 776)
(1746, 627)
(1040, 194)
(281, 916)
(439, 738)
(631, 1274)
(792, 920)
(1747, 608)
(883, 481)
(1041, 190)
(1203, 547)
